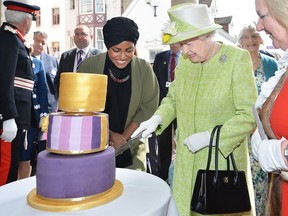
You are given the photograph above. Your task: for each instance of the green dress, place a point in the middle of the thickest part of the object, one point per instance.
(221, 91)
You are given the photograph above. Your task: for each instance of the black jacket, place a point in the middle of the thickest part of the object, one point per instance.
(160, 68)
(16, 64)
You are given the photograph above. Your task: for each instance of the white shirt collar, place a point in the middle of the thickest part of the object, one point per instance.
(85, 50)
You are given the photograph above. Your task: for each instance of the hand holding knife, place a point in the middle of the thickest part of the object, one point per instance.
(128, 144)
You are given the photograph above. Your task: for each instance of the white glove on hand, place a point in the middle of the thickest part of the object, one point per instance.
(197, 141)
(148, 127)
(255, 141)
(9, 130)
(284, 175)
(270, 155)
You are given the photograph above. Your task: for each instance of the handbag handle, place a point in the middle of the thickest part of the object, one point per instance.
(210, 146)
(216, 130)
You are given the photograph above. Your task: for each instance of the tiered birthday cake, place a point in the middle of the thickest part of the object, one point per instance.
(77, 171)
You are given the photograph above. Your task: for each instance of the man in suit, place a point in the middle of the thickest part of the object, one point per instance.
(50, 65)
(70, 60)
(16, 85)
(164, 68)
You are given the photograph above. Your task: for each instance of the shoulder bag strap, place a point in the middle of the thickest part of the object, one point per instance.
(267, 107)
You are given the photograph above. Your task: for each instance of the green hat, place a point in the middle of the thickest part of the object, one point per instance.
(187, 21)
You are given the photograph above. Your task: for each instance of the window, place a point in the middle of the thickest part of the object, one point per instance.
(152, 54)
(71, 42)
(72, 4)
(99, 39)
(99, 6)
(86, 6)
(55, 16)
(56, 49)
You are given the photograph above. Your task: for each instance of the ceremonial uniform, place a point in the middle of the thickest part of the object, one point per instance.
(16, 84)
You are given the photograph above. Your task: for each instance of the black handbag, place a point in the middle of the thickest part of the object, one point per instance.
(220, 191)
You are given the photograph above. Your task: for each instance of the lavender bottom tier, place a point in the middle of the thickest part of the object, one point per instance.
(74, 176)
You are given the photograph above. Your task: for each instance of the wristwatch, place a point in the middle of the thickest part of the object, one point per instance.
(286, 152)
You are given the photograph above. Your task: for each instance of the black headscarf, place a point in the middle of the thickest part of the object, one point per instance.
(119, 29)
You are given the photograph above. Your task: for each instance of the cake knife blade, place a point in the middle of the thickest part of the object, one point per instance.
(127, 145)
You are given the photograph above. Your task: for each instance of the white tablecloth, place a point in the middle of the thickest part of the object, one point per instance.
(143, 195)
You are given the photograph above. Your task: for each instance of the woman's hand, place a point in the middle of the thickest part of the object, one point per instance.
(197, 141)
(148, 127)
(116, 139)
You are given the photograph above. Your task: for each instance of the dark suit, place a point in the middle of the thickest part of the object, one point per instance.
(51, 67)
(15, 100)
(66, 63)
(160, 67)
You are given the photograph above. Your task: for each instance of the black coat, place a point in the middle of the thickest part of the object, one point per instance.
(160, 68)
(15, 102)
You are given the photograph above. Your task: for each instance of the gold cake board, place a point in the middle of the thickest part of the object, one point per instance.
(61, 206)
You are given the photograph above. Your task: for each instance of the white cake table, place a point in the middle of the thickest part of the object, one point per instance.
(143, 195)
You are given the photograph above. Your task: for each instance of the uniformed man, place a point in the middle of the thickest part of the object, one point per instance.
(16, 84)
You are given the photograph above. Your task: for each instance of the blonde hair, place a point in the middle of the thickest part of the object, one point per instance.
(278, 9)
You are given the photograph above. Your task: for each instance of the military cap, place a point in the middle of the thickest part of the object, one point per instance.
(20, 6)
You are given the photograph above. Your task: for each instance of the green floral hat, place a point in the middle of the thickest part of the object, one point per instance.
(187, 21)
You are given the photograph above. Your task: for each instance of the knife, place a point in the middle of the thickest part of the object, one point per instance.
(128, 144)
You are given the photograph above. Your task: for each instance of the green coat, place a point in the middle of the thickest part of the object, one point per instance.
(144, 97)
(221, 91)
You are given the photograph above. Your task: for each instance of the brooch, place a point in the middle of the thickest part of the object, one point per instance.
(223, 59)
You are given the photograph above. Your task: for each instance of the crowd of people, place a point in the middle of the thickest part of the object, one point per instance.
(195, 85)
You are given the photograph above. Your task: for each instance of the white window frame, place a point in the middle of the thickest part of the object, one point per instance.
(84, 4)
(99, 39)
(99, 6)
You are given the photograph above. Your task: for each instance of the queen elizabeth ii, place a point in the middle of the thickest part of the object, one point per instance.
(214, 85)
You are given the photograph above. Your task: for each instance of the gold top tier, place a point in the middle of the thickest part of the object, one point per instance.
(82, 92)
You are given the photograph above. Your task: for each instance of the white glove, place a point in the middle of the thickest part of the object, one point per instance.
(197, 141)
(148, 127)
(284, 175)
(255, 141)
(9, 130)
(270, 155)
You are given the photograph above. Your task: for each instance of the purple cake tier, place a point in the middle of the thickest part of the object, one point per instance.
(76, 133)
(74, 176)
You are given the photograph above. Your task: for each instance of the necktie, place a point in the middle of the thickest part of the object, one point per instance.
(172, 66)
(79, 58)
